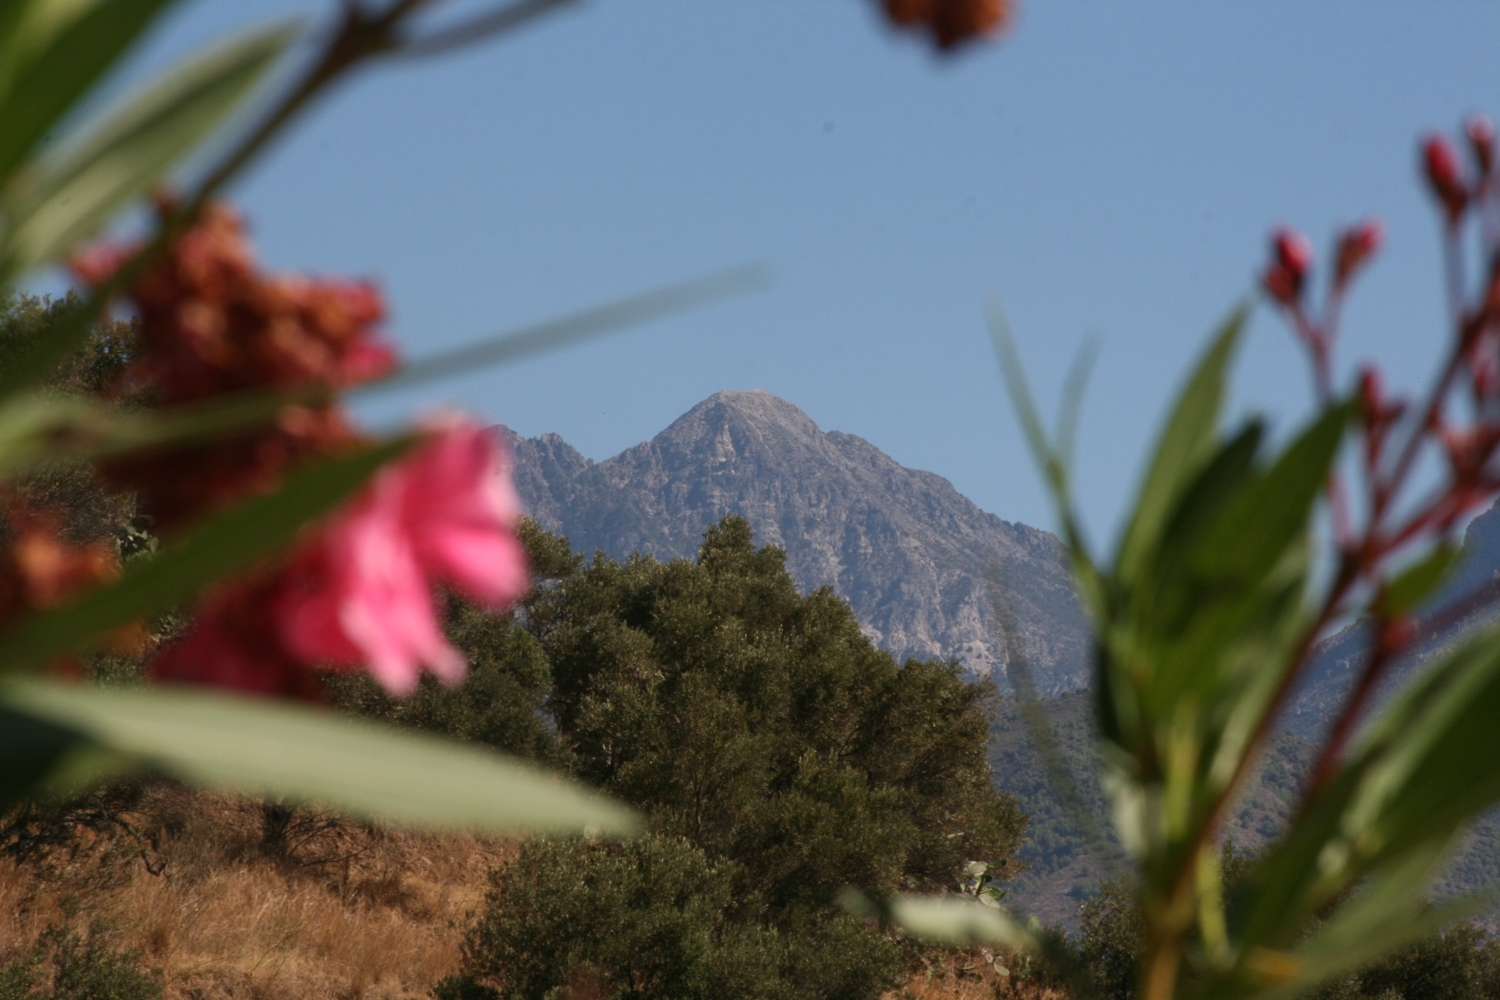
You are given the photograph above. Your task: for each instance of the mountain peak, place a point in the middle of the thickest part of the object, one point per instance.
(734, 425)
(916, 560)
(754, 406)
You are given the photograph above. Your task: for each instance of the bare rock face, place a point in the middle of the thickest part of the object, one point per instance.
(923, 567)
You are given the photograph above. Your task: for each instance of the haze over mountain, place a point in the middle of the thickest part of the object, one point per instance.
(921, 565)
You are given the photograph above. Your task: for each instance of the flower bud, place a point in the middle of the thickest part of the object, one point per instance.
(1291, 259)
(1356, 246)
(950, 22)
(1481, 133)
(1440, 163)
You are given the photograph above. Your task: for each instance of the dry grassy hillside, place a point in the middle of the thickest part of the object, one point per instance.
(346, 911)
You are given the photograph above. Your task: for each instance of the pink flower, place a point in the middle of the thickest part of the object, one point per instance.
(361, 593)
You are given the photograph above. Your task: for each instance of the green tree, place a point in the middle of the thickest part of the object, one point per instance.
(654, 917)
(765, 727)
(70, 489)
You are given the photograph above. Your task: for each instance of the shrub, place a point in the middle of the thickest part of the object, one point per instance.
(66, 965)
(655, 917)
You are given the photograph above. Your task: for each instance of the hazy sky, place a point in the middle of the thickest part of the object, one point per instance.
(1108, 171)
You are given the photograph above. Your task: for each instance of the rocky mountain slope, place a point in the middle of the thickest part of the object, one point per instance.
(922, 566)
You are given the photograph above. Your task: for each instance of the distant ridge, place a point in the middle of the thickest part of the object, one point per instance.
(912, 556)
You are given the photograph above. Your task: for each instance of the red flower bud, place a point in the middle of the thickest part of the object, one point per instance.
(1291, 259)
(1357, 245)
(951, 22)
(1440, 163)
(1481, 133)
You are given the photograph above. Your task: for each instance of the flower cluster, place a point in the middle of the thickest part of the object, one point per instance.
(211, 324)
(356, 592)
(1395, 430)
(951, 22)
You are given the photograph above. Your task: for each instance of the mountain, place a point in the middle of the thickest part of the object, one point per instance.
(922, 566)
(924, 569)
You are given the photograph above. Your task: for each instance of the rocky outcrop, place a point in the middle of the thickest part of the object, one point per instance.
(923, 567)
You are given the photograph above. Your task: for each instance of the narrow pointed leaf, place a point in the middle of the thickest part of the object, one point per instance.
(79, 189)
(1255, 531)
(51, 82)
(1180, 448)
(260, 747)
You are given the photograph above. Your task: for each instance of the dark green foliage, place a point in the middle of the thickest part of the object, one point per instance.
(499, 704)
(65, 965)
(71, 490)
(1111, 940)
(764, 727)
(654, 917)
(779, 755)
(96, 368)
(1461, 964)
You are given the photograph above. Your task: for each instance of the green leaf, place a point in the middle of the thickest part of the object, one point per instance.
(1339, 951)
(46, 86)
(1180, 449)
(78, 190)
(259, 747)
(222, 545)
(1433, 755)
(26, 26)
(1265, 520)
(1412, 586)
(1051, 461)
(961, 922)
(1421, 772)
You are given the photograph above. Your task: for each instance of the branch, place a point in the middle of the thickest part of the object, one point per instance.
(1482, 597)
(500, 21)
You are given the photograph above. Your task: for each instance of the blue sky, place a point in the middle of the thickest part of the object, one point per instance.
(1108, 172)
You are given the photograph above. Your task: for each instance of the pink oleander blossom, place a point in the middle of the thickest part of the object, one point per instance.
(359, 594)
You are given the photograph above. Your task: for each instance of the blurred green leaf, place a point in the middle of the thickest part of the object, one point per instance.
(1337, 949)
(50, 81)
(1180, 448)
(1421, 772)
(26, 26)
(958, 921)
(259, 747)
(1051, 461)
(1254, 532)
(223, 544)
(1432, 756)
(1412, 586)
(76, 191)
